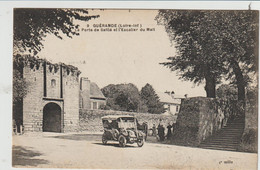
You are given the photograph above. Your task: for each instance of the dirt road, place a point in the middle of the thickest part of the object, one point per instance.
(52, 150)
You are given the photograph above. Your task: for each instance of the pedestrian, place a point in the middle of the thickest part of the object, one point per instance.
(221, 119)
(163, 133)
(154, 130)
(145, 129)
(173, 127)
(159, 130)
(169, 132)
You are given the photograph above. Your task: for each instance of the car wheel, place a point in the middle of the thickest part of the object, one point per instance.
(104, 140)
(122, 141)
(140, 143)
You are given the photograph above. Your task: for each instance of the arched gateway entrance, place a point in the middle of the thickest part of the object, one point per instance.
(51, 118)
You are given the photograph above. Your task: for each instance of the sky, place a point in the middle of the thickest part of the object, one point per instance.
(113, 57)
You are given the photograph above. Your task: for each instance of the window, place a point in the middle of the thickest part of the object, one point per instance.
(81, 103)
(53, 83)
(95, 105)
(177, 108)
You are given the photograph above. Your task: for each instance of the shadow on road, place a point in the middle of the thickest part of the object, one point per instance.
(116, 145)
(93, 137)
(80, 137)
(25, 157)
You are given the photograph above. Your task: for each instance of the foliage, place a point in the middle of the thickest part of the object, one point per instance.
(238, 38)
(252, 95)
(124, 97)
(226, 91)
(19, 87)
(32, 25)
(21, 60)
(143, 108)
(212, 45)
(238, 42)
(151, 100)
(229, 92)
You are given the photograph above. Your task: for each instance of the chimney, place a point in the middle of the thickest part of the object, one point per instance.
(167, 92)
(172, 94)
(85, 92)
(84, 84)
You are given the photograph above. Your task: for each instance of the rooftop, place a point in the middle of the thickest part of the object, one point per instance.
(166, 98)
(95, 91)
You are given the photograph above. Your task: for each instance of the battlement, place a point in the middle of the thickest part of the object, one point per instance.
(35, 63)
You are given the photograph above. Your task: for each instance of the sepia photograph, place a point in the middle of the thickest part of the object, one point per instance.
(135, 88)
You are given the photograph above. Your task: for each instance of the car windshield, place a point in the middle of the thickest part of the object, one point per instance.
(127, 122)
(109, 124)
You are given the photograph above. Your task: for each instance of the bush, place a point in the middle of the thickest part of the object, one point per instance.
(104, 107)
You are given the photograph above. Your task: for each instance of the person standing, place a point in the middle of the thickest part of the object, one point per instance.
(163, 133)
(169, 132)
(173, 127)
(154, 130)
(145, 129)
(159, 129)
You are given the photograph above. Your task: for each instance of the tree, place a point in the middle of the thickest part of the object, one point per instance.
(229, 92)
(32, 25)
(151, 100)
(239, 42)
(123, 97)
(19, 87)
(212, 45)
(196, 59)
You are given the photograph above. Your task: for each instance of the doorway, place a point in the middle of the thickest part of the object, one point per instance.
(51, 118)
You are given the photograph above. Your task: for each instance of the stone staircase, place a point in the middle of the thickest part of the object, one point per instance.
(228, 138)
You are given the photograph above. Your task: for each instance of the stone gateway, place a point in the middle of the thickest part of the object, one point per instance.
(53, 99)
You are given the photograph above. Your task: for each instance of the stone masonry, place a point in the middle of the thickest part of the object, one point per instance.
(55, 85)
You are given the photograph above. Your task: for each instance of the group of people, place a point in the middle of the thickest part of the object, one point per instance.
(161, 131)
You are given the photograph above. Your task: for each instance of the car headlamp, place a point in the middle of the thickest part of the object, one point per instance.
(131, 133)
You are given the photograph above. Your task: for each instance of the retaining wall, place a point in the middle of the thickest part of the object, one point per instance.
(249, 141)
(199, 118)
(90, 120)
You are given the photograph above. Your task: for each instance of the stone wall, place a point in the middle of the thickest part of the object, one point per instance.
(32, 103)
(199, 118)
(90, 120)
(249, 141)
(71, 101)
(251, 115)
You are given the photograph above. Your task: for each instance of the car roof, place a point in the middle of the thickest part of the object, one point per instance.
(116, 116)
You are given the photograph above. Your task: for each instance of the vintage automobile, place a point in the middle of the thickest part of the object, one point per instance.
(122, 128)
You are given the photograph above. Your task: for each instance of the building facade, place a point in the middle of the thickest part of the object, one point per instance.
(170, 103)
(91, 97)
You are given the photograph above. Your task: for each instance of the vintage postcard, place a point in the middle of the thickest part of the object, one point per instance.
(135, 88)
